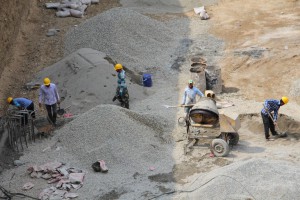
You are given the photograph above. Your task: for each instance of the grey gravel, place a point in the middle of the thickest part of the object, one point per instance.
(128, 37)
(250, 179)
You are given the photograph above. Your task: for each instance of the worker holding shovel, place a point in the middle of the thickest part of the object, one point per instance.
(271, 105)
(189, 96)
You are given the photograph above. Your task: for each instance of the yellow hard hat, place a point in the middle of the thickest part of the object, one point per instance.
(9, 99)
(47, 81)
(285, 100)
(118, 66)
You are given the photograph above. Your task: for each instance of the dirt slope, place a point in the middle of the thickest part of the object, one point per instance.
(262, 46)
(26, 48)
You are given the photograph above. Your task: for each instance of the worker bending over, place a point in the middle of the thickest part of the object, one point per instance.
(22, 103)
(271, 105)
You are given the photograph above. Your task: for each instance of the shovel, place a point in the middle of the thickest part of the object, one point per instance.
(167, 106)
(62, 111)
(281, 134)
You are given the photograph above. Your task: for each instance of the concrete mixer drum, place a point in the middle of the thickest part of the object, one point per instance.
(205, 114)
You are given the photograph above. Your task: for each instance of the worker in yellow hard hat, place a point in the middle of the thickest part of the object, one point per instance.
(122, 92)
(23, 103)
(271, 106)
(48, 95)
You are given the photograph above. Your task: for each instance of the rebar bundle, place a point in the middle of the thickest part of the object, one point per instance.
(19, 128)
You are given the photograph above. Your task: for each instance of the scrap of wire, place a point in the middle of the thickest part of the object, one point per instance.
(10, 195)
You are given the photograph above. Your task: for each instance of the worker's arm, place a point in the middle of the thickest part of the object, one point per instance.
(15, 103)
(56, 95)
(275, 115)
(199, 93)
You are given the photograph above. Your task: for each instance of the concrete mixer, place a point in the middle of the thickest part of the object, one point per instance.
(224, 127)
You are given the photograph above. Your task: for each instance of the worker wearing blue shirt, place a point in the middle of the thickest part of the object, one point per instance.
(22, 103)
(189, 96)
(271, 105)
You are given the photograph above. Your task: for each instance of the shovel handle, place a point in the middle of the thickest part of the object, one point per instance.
(269, 113)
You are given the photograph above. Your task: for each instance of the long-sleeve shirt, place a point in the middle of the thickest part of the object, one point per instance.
(48, 95)
(21, 102)
(121, 79)
(271, 105)
(189, 96)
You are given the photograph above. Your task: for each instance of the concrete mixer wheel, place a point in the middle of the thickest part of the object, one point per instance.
(220, 147)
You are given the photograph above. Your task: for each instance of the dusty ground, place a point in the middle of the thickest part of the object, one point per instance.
(27, 48)
(262, 46)
(261, 61)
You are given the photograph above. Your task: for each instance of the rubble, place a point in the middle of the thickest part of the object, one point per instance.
(56, 172)
(74, 8)
(28, 186)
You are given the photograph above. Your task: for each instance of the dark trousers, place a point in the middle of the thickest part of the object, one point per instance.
(268, 125)
(52, 112)
(30, 108)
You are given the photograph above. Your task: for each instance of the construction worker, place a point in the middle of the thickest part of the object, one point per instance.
(271, 105)
(121, 92)
(189, 96)
(23, 103)
(49, 96)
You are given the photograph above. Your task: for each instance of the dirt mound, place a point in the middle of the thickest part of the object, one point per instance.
(253, 123)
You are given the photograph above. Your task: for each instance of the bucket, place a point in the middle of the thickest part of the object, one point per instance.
(147, 80)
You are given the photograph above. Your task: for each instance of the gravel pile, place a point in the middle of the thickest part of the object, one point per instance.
(126, 36)
(129, 143)
(86, 79)
(251, 179)
(116, 135)
(133, 146)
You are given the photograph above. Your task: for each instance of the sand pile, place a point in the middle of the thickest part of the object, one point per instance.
(251, 179)
(86, 79)
(127, 36)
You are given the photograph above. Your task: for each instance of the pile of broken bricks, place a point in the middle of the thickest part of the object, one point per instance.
(65, 179)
